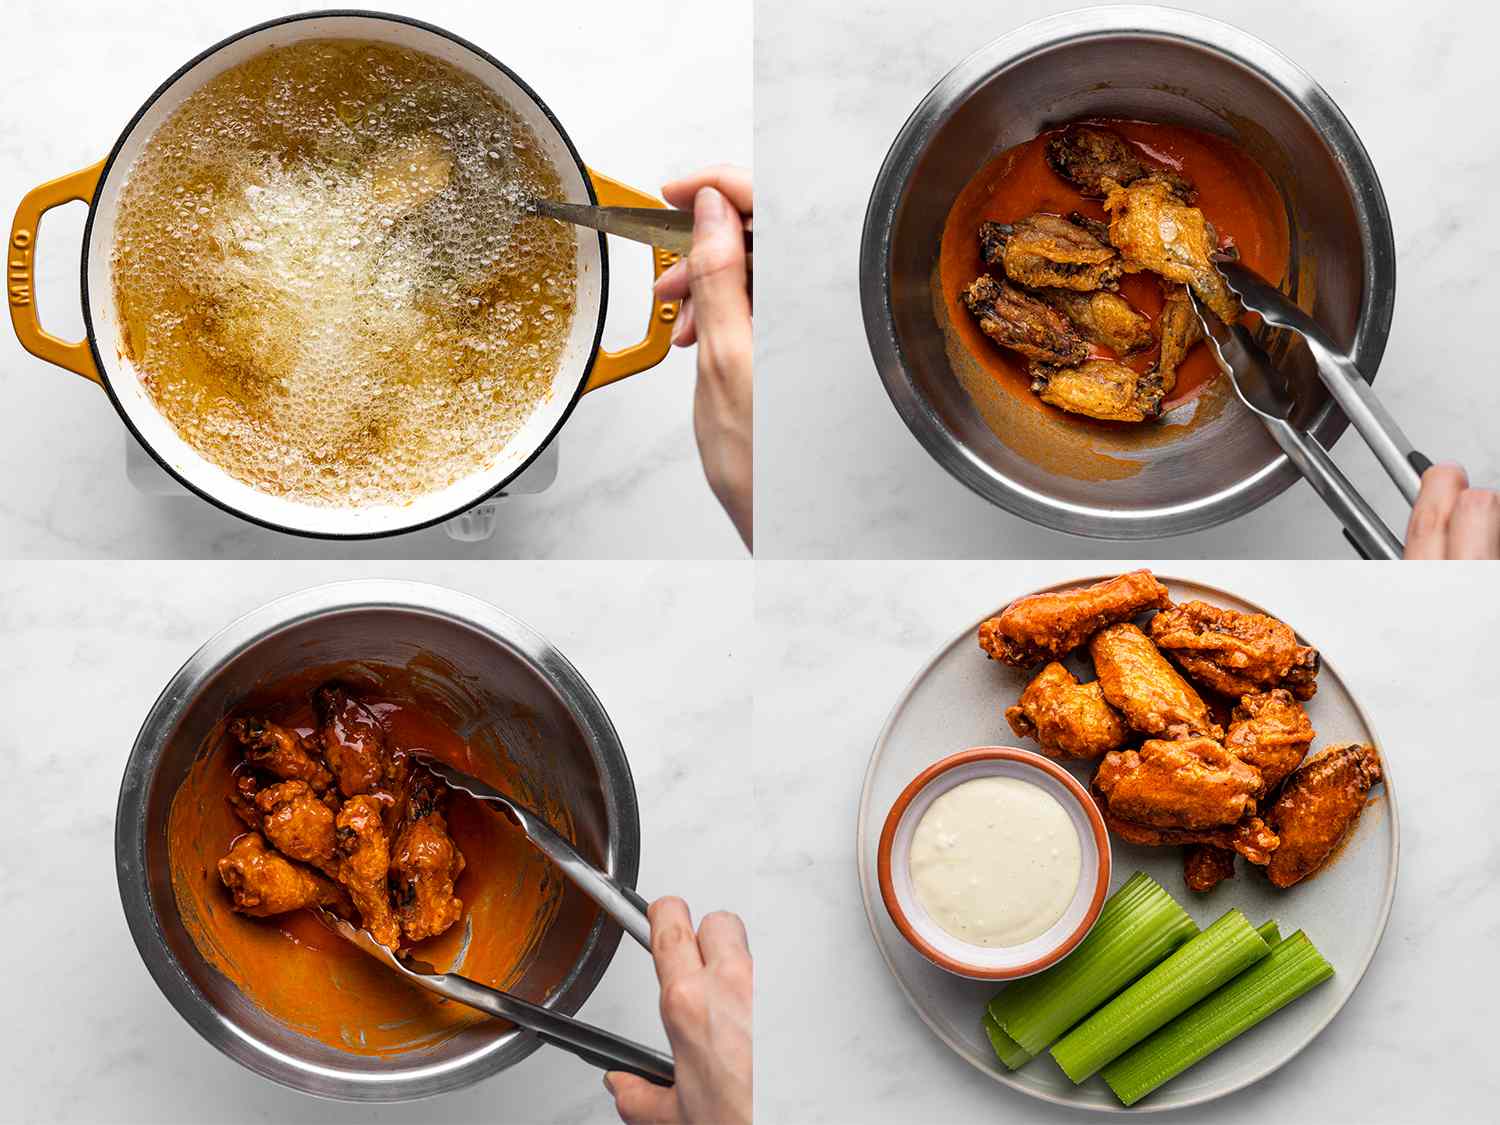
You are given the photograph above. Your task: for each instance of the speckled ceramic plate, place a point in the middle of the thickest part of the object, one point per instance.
(957, 700)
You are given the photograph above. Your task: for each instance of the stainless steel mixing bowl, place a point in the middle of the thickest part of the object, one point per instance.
(1153, 64)
(509, 678)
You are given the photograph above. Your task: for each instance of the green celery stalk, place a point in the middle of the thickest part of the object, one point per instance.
(1006, 1049)
(1292, 967)
(1138, 926)
(1221, 952)
(1268, 932)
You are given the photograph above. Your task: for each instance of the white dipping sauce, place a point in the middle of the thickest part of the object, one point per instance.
(995, 861)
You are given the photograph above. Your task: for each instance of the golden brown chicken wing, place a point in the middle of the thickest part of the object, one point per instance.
(1045, 251)
(353, 740)
(264, 883)
(1319, 805)
(1099, 388)
(364, 862)
(1155, 230)
(1235, 653)
(299, 823)
(280, 751)
(1180, 330)
(1249, 838)
(1105, 318)
(1271, 731)
(1189, 783)
(1069, 719)
(1204, 867)
(1023, 323)
(1089, 158)
(1051, 625)
(425, 865)
(1138, 682)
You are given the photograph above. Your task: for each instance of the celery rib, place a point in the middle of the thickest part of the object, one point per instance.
(1293, 967)
(1138, 926)
(1268, 932)
(1219, 953)
(1007, 1050)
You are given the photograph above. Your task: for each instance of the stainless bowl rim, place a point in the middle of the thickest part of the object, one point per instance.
(618, 786)
(1377, 304)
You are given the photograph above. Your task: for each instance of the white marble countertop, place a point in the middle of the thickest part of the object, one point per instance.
(839, 474)
(88, 1038)
(646, 94)
(837, 1042)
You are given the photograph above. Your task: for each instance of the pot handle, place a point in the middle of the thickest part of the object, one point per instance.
(611, 367)
(20, 271)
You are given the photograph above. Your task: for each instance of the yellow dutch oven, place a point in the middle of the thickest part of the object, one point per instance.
(584, 366)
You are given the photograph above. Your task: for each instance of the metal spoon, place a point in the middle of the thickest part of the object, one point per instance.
(620, 902)
(594, 1045)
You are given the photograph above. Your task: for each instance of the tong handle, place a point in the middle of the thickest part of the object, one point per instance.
(594, 1045)
(1362, 526)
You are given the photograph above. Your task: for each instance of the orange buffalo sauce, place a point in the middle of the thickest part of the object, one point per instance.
(1234, 193)
(308, 977)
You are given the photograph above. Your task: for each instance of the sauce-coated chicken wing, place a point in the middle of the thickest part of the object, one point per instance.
(281, 752)
(1090, 158)
(364, 862)
(353, 740)
(1235, 653)
(1051, 625)
(1250, 838)
(1068, 719)
(1099, 388)
(1180, 330)
(1319, 805)
(264, 883)
(299, 823)
(1045, 251)
(1189, 783)
(1271, 731)
(1024, 323)
(1105, 318)
(425, 865)
(1138, 682)
(1155, 230)
(1204, 867)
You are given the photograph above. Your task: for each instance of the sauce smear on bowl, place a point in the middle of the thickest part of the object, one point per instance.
(995, 861)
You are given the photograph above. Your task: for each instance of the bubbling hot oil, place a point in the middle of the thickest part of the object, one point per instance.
(326, 278)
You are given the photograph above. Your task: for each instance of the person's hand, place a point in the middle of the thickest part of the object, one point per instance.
(705, 1005)
(1450, 520)
(713, 282)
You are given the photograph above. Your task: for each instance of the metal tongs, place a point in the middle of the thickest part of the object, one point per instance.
(1266, 391)
(592, 1044)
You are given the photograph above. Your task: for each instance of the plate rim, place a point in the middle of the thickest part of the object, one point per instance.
(1002, 1076)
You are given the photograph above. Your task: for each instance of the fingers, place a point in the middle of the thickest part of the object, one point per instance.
(716, 272)
(674, 948)
(1474, 531)
(733, 181)
(1427, 532)
(639, 1102)
(722, 937)
(685, 334)
(672, 285)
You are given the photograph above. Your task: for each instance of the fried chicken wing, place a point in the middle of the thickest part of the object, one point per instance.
(1099, 388)
(425, 865)
(353, 740)
(1249, 838)
(1047, 251)
(1068, 719)
(1138, 682)
(299, 824)
(1189, 783)
(1051, 625)
(264, 883)
(1180, 330)
(364, 860)
(1204, 867)
(1155, 230)
(280, 751)
(1089, 158)
(1319, 805)
(1024, 323)
(1271, 731)
(1235, 653)
(1105, 318)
